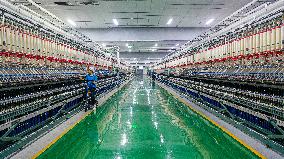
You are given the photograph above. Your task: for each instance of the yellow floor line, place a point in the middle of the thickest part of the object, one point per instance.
(62, 134)
(221, 127)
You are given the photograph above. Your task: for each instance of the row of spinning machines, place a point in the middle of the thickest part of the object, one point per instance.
(35, 102)
(41, 71)
(238, 76)
(253, 106)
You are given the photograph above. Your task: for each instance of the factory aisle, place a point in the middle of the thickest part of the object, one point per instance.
(143, 121)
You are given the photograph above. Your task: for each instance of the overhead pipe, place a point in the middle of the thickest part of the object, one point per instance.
(269, 8)
(265, 11)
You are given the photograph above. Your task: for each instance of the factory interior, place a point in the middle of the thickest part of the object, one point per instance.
(141, 79)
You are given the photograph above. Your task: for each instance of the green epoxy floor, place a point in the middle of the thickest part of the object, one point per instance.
(143, 121)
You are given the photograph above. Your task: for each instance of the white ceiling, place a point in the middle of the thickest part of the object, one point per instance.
(143, 39)
(141, 13)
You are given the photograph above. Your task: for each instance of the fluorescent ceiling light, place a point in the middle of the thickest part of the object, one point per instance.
(115, 21)
(170, 21)
(71, 22)
(209, 21)
(156, 44)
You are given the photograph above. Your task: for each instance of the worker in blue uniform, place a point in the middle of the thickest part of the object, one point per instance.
(90, 78)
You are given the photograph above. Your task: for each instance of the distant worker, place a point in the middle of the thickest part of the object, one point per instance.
(153, 76)
(90, 78)
(117, 78)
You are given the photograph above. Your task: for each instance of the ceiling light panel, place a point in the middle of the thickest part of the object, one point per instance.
(71, 22)
(115, 22)
(170, 21)
(209, 21)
